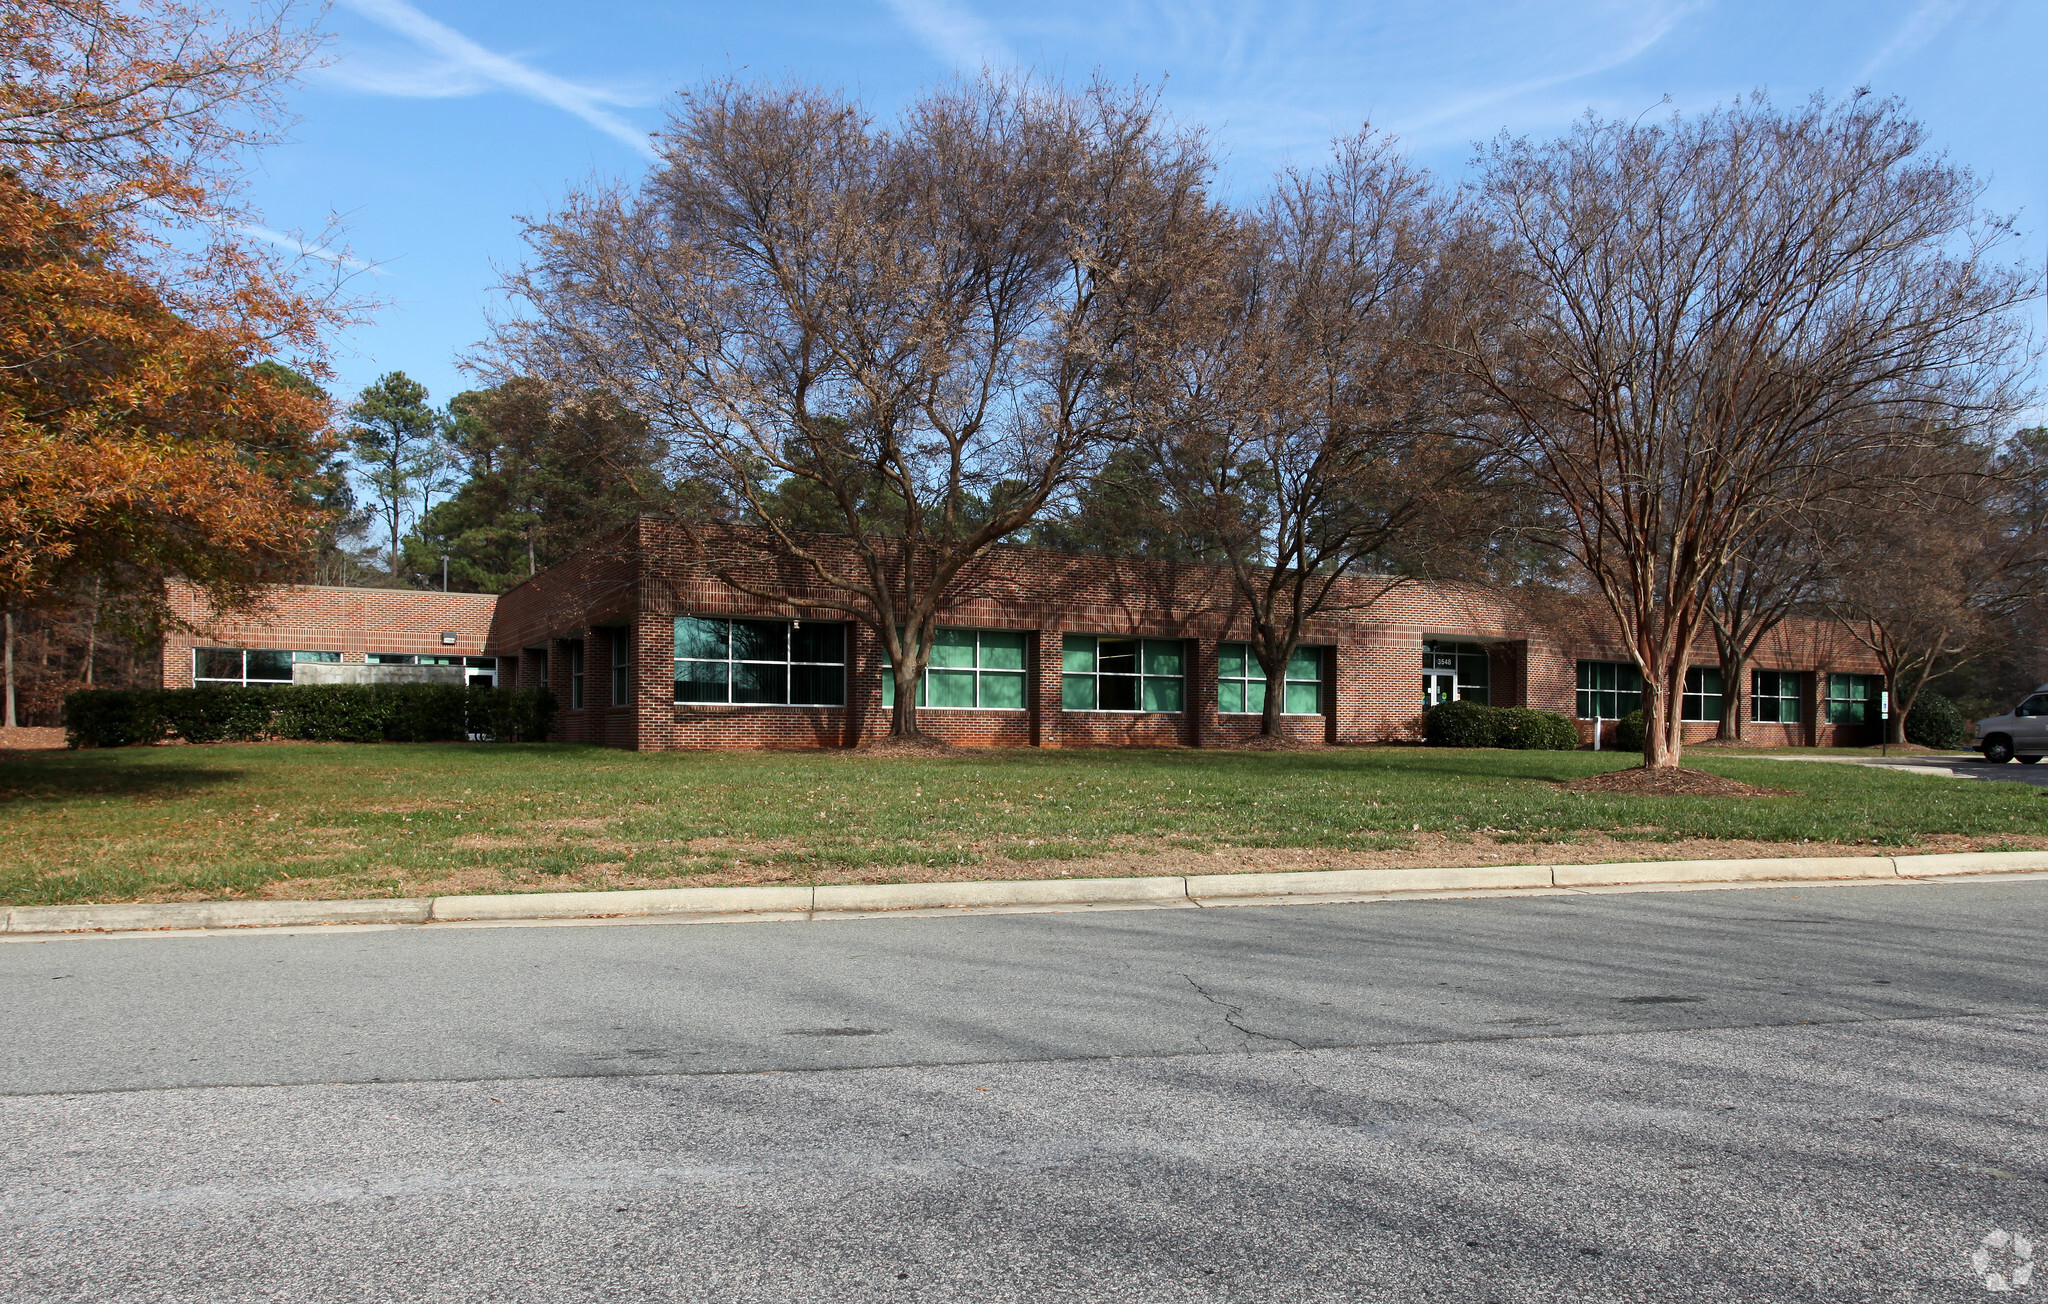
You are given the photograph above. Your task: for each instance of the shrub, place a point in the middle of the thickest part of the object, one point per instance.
(114, 717)
(511, 715)
(344, 713)
(1535, 731)
(331, 713)
(1629, 732)
(1461, 724)
(424, 713)
(1935, 722)
(217, 713)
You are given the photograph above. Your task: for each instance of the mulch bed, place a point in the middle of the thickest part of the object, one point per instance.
(30, 738)
(1263, 743)
(1638, 781)
(921, 745)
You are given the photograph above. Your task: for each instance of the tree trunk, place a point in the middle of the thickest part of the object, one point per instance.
(1661, 750)
(92, 632)
(903, 716)
(1734, 676)
(10, 668)
(1895, 728)
(1276, 698)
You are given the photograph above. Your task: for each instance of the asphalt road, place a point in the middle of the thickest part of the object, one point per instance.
(1781, 1094)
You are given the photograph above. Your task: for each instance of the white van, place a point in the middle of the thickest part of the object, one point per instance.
(2021, 734)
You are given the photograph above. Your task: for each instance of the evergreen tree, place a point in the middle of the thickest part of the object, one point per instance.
(399, 454)
(541, 479)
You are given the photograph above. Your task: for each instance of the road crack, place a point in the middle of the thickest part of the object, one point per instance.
(1233, 1016)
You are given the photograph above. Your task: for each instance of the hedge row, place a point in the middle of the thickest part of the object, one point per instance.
(337, 713)
(1935, 722)
(1468, 724)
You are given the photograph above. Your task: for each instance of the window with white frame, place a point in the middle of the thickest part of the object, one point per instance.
(1122, 674)
(575, 674)
(1609, 690)
(969, 670)
(233, 665)
(1774, 696)
(760, 662)
(1853, 699)
(622, 667)
(1702, 694)
(1241, 684)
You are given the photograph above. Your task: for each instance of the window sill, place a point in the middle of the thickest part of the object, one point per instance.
(968, 710)
(1077, 710)
(762, 706)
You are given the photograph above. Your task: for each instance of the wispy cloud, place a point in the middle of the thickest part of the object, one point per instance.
(1638, 43)
(1921, 26)
(462, 67)
(952, 32)
(298, 244)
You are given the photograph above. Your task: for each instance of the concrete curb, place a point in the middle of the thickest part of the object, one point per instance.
(854, 899)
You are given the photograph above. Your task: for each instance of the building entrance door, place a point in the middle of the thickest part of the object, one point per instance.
(1438, 687)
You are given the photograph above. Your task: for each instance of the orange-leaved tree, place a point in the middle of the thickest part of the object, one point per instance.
(140, 439)
(134, 445)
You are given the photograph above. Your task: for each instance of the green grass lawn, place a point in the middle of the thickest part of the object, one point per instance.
(311, 821)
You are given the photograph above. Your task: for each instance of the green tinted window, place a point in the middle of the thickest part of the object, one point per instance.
(1702, 694)
(1241, 684)
(1002, 692)
(1774, 697)
(1002, 650)
(1123, 674)
(1609, 690)
(758, 662)
(1852, 699)
(1163, 658)
(953, 647)
(970, 669)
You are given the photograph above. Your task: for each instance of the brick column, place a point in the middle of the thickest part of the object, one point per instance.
(653, 678)
(558, 684)
(1044, 702)
(1201, 691)
(866, 718)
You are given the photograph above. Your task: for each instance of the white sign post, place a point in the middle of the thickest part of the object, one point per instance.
(1884, 716)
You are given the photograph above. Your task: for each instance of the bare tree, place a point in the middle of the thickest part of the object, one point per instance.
(1701, 322)
(1300, 431)
(1774, 573)
(1926, 582)
(909, 338)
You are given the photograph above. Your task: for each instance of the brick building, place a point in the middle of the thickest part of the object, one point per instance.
(645, 647)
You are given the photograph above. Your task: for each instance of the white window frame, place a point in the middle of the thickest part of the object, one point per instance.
(1254, 675)
(978, 670)
(298, 655)
(1098, 675)
(788, 665)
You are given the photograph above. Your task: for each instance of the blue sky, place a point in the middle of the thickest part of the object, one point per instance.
(436, 122)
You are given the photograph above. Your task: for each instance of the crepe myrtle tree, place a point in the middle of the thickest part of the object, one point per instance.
(1698, 329)
(1303, 434)
(1932, 579)
(1776, 572)
(889, 346)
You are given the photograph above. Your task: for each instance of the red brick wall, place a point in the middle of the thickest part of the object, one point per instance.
(633, 583)
(316, 618)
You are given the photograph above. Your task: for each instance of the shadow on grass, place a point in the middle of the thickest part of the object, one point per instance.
(67, 776)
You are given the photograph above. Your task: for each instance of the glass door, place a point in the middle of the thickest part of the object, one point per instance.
(1438, 687)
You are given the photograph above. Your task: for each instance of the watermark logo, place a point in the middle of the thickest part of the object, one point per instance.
(2004, 1262)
